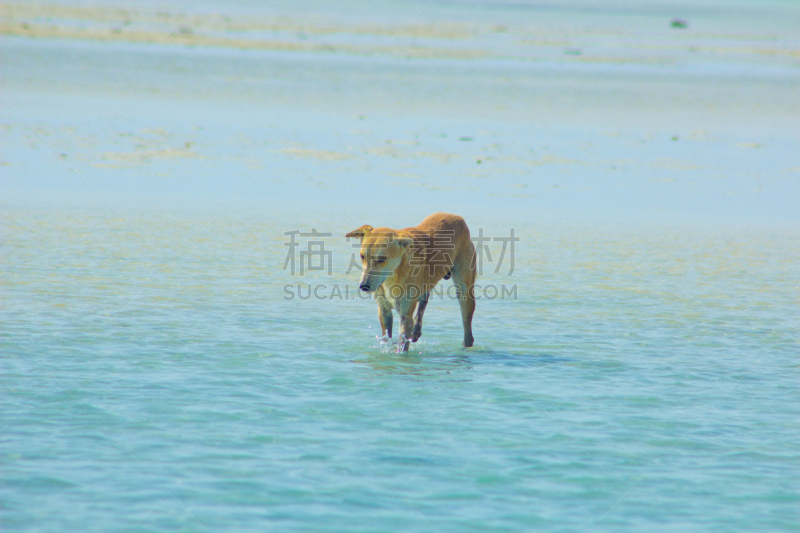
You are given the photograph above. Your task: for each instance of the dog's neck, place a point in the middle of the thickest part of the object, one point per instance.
(400, 273)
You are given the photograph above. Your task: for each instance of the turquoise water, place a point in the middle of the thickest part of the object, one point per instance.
(638, 382)
(162, 369)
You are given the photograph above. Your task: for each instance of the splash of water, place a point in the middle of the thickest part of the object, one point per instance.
(402, 344)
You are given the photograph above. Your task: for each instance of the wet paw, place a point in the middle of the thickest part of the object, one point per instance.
(402, 344)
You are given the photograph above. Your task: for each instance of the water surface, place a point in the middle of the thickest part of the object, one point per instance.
(642, 375)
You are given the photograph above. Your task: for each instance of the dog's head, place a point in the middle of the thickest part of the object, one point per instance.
(382, 250)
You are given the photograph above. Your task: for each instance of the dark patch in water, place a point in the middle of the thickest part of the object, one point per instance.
(416, 461)
(516, 360)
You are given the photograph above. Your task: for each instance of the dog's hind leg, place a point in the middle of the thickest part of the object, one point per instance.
(416, 333)
(464, 278)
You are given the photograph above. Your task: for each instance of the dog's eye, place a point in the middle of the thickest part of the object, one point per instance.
(380, 259)
(362, 257)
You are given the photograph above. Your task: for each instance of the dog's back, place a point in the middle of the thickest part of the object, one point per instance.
(441, 241)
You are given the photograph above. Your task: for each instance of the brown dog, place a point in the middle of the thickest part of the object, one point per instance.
(402, 267)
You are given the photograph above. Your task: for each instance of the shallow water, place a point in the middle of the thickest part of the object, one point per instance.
(161, 368)
(634, 384)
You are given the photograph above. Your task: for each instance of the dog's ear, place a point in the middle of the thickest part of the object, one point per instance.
(360, 232)
(404, 240)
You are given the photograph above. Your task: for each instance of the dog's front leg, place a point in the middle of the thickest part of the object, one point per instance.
(423, 303)
(406, 325)
(385, 316)
(384, 313)
(406, 311)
